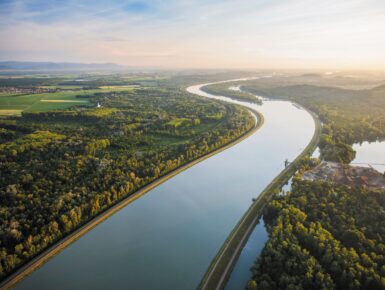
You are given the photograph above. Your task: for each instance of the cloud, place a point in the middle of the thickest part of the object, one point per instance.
(186, 33)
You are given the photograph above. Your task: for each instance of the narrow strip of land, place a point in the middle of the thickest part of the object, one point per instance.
(223, 263)
(42, 258)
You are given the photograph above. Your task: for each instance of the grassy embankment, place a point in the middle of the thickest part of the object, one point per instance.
(223, 263)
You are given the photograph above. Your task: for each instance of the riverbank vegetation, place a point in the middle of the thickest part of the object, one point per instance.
(221, 266)
(224, 89)
(348, 115)
(60, 168)
(323, 236)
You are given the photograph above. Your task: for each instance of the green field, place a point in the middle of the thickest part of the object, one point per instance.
(11, 104)
(177, 122)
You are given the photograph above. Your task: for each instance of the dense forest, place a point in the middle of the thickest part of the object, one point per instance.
(348, 115)
(323, 236)
(61, 168)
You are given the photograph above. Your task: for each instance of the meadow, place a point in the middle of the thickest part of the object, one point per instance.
(15, 104)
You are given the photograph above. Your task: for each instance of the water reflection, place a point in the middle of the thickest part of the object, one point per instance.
(167, 238)
(370, 154)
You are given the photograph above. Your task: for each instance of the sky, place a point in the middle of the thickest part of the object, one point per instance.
(325, 34)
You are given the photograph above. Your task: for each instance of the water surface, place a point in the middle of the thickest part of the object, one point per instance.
(370, 154)
(167, 238)
(242, 270)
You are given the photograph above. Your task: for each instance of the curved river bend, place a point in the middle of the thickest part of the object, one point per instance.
(167, 238)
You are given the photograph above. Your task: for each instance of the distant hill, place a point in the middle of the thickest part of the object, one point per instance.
(56, 66)
(311, 75)
(379, 88)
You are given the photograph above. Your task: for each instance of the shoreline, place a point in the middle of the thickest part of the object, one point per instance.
(220, 268)
(10, 281)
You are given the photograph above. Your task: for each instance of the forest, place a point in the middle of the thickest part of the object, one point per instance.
(222, 89)
(323, 236)
(348, 115)
(60, 168)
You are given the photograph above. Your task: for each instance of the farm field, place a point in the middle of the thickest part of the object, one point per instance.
(13, 104)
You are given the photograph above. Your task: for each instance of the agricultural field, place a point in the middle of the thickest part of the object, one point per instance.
(42, 102)
(65, 97)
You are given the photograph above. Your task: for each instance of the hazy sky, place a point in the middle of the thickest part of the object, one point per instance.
(199, 34)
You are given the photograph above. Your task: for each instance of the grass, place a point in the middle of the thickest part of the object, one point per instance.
(64, 87)
(11, 104)
(177, 122)
(122, 87)
(10, 112)
(63, 101)
(37, 102)
(2, 94)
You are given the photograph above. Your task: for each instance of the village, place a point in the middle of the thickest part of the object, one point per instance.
(28, 90)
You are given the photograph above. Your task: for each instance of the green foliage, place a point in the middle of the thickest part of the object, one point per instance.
(349, 116)
(33, 141)
(338, 152)
(61, 168)
(99, 112)
(44, 101)
(323, 236)
(6, 135)
(222, 89)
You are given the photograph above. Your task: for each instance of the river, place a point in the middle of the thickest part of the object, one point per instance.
(167, 238)
(370, 154)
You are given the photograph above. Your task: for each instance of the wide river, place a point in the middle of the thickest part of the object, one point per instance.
(167, 238)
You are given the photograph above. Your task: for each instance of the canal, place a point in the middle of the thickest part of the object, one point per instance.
(167, 238)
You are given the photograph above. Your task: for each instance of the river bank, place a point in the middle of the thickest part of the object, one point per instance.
(167, 239)
(42, 258)
(223, 263)
(219, 271)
